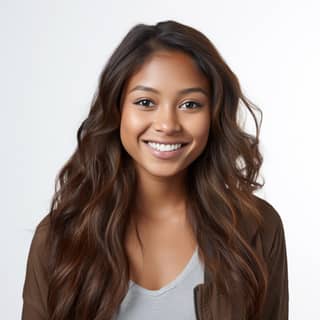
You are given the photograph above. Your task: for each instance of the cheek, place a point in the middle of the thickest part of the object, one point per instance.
(131, 126)
(200, 129)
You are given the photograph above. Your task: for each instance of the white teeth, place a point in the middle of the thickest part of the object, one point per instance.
(164, 147)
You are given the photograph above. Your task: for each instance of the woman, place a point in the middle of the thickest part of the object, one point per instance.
(154, 214)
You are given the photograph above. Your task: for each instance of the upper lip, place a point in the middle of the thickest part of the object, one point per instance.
(165, 142)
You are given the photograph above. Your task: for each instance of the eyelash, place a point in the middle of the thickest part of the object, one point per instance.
(193, 102)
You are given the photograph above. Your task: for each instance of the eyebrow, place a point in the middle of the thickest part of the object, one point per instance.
(181, 92)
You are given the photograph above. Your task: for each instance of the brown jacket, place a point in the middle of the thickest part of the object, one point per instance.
(269, 241)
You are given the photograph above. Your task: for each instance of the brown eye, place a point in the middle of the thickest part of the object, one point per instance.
(192, 105)
(143, 102)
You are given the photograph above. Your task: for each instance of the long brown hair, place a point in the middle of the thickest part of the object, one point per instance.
(94, 190)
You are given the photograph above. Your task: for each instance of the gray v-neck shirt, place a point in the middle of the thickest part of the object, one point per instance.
(173, 301)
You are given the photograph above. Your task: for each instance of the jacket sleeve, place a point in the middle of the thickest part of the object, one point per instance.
(35, 287)
(276, 303)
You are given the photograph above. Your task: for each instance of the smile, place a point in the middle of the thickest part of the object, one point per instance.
(165, 151)
(164, 147)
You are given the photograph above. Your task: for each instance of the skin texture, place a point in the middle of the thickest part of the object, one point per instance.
(159, 210)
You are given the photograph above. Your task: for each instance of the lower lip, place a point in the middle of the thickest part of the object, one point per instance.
(165, 154)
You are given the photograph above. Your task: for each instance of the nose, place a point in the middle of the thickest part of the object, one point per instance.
(166, 120)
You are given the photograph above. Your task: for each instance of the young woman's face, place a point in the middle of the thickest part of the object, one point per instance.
(166, 103)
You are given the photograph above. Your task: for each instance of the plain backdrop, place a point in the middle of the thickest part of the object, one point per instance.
(52, 53)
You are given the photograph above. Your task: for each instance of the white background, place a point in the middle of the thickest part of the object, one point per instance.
(52, 53)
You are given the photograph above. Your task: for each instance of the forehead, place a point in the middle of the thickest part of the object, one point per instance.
(168, 71)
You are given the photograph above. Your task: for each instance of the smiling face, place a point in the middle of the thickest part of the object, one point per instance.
(167, 100)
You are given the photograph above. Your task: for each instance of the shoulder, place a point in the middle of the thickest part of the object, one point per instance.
(271, 217)
(35, 288)
(43, 225)
(269, 241)
(270, 233)
(39, 236)
(37, 253)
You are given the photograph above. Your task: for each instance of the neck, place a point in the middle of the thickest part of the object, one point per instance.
(160, 199)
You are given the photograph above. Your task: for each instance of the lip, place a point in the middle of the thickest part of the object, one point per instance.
(166, 142)
(165, 154)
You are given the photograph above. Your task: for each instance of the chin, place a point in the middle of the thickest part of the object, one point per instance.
(163, 171)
